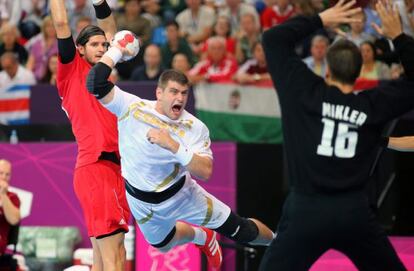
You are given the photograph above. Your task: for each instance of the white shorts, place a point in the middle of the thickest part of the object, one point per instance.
(191, 204)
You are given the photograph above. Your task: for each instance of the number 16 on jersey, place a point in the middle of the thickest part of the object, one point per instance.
(343, 145)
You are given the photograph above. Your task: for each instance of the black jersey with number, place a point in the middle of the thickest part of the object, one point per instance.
(331, 138)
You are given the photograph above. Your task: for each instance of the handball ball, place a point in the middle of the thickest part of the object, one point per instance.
(129, 40)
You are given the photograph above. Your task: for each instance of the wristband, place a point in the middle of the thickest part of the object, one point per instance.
(184, 155)
(114, 53)
(97, 2)
(102, 10)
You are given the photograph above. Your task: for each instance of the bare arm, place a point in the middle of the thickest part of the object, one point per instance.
(200, 166)
(200, 37)
(405, 143)
(30, 62)
(60, 19)
(11, 212)
(105, 17)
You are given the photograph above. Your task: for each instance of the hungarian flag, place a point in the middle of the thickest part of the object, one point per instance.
(241, 113)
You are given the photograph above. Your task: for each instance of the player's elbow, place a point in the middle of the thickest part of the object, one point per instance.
(97, 80)
(60, 24)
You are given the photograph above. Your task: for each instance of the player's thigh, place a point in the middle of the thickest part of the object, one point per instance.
(368, 246)
(199, 207)
(154, 220)
(289, 252)
(102, 196)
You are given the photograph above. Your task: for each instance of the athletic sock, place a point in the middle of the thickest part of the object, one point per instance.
(200, 236)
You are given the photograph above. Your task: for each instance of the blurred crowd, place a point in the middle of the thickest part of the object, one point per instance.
(209, 40)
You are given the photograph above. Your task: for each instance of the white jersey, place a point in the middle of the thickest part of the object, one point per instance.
(148, 166)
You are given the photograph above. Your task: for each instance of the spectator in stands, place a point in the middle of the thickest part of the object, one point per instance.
(9, 205)
(151, 12)
(217, 67)
(33, 11)
(356, 33)
(152, 68)
(235, 9)
(9, 35)
(10, 11)
(196, 23)
(406, 8)
(41, 47)
(81, 24)
(255, 69)
(277, 14)
(308, 8)
(78, 9)
(222, 28)
(181, 63)
(371, 16)
(13, 73)
(175, 45)
(132, 20)
(372, 69)
(247, 37)
(50, 75)
(317, 60)
(171, 8)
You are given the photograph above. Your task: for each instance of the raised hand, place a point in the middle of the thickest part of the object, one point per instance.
(390, 20)
(341, 13)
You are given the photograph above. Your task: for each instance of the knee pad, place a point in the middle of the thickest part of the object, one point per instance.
(239, 229)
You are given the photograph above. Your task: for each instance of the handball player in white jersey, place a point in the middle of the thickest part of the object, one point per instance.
(161, 146)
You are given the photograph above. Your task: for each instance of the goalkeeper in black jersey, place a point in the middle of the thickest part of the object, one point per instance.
(331, 138)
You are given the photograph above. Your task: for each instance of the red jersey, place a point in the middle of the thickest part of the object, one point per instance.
(272, 16)
(223, 71)
(94, 127)
(4, 225)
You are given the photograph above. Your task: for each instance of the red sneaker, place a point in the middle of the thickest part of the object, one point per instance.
(212, 249)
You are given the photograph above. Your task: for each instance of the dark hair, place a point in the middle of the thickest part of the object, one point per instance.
(172, 75)
(373, 47)
(48, 75)
(344, 61)
(172, 23)
(87, 32)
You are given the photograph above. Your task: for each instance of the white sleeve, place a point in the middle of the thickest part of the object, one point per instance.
(202, 143)
(121, 102)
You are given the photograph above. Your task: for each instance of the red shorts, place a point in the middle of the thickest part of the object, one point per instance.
(100, 189)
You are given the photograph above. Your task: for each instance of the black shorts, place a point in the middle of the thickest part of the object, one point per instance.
(311, 225)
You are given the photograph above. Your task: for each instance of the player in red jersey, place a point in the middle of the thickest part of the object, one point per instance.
(97, 179)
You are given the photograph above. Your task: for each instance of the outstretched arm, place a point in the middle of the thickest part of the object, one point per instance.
(66, 46)
(405, 143)
(106, 19)
(279, 42)
(60, 19)
(391, 28)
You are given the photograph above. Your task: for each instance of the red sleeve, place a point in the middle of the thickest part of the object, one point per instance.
(266, 18)
(65, 72)
(231, 45)
(227, 72)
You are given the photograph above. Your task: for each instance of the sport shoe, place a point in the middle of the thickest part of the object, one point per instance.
(212, 248)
